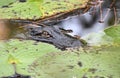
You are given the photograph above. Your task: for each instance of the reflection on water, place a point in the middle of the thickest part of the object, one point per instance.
(73, 24)
(10, 30)
(4, 30)
(84, 24)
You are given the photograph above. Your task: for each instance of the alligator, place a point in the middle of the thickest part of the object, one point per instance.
(53, 35)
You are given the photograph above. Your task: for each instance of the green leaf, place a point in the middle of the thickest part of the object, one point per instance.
(6, 2)
(114, 32)
(35, 9)
(16, 55)
(92, 63)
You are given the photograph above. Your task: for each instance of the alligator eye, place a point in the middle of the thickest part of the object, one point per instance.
(45, 34)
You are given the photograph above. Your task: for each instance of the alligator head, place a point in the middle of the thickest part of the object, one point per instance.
(53, 35)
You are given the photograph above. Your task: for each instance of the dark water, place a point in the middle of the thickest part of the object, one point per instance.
(10, 29)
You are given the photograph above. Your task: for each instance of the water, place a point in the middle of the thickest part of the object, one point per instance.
(82, 25)
(4, 30)
(10, 30)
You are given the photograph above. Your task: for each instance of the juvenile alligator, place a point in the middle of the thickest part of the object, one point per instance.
(53, 35)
